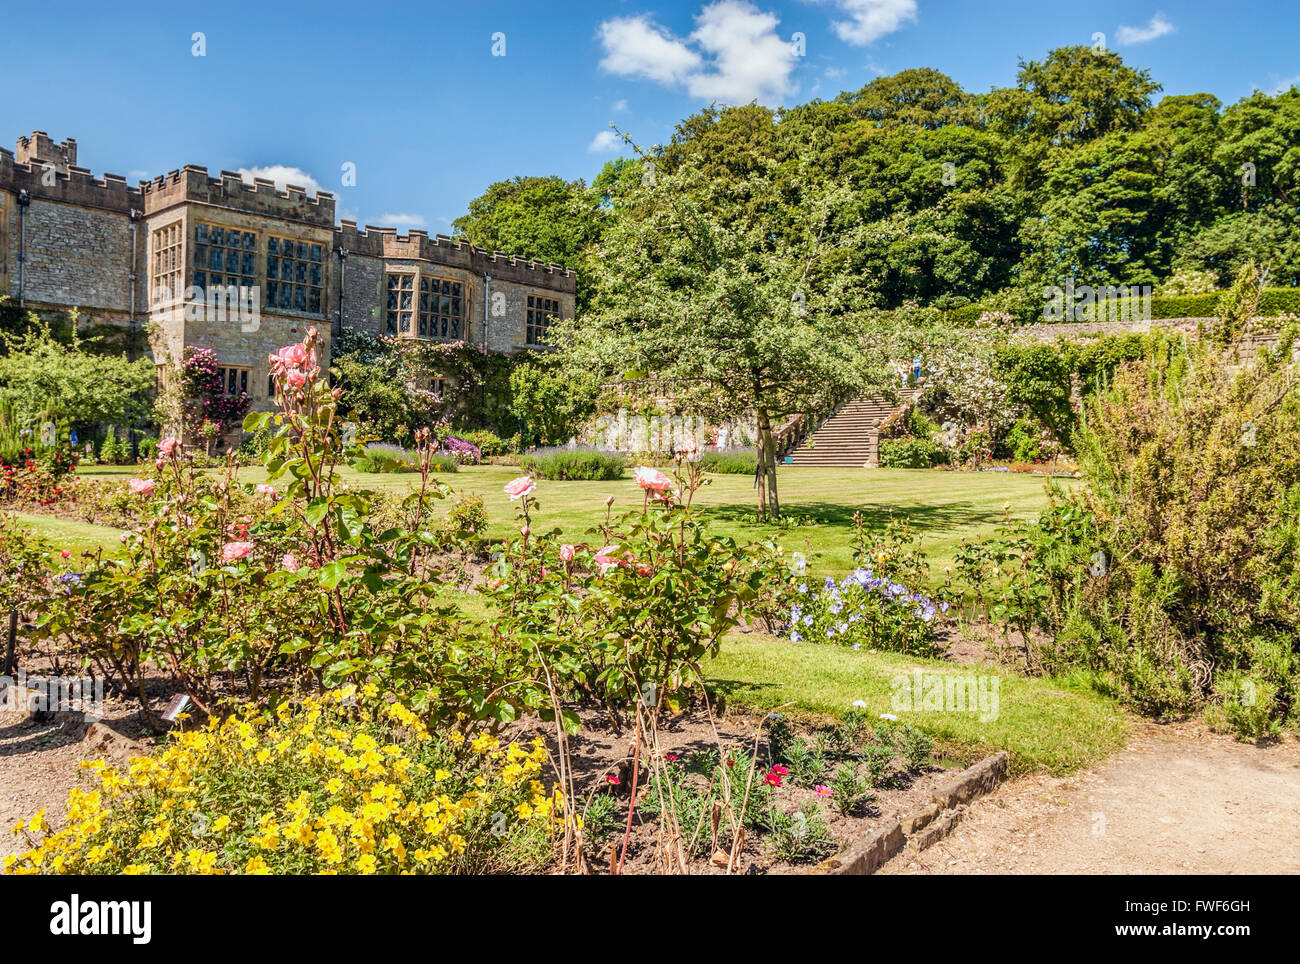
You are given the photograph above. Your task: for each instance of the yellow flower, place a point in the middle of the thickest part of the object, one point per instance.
(135, 870)
(366, 863)
(256, 866)
(220, 824)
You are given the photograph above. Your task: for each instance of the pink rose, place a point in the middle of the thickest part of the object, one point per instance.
(169, 446)
(235, 550)
(289, 562)
(652, 480)
(265, 489)
(295, 378)
(520, 487)
(293, 356)
(643, 570)
(605, 559)
(142, 486)
(567, 552)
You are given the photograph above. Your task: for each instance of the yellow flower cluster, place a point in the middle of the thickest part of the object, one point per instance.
(306, 790)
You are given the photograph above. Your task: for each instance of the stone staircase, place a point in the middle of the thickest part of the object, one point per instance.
(850, 435)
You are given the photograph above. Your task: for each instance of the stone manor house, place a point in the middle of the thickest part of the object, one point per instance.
(242, 269)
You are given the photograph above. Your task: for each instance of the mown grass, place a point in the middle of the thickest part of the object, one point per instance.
(942, 507)
(76, 537)
(1045, 724)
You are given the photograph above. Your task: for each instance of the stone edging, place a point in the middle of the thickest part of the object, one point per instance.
(924, 828)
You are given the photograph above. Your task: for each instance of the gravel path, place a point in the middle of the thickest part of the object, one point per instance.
(1177, 800)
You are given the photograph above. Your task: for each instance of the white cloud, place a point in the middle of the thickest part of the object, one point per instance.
(402, 220)
(1157, 27)
(606, 142)
(639, 47)
(869, 20)
(733, 55)
(619, 106)
(282, 175)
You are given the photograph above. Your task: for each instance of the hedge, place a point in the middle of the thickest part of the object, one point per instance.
(1272, 301)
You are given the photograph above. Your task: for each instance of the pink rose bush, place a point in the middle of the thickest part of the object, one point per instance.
(141, 486)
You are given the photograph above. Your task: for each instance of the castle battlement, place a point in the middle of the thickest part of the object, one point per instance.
(192, 184)
(43, 179)
(384, 242)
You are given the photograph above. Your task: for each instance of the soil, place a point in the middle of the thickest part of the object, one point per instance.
(597, 752)
(39, 757)
(1178, 799)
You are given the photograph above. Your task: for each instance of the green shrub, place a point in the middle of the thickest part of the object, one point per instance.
(741, 462)
(1174, 572)
(466, 518)
(574, 465)
(489, 443)
(909, 453)
(381, 457)
(1023, 441)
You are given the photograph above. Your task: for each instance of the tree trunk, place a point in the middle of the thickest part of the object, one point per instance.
(768, 501)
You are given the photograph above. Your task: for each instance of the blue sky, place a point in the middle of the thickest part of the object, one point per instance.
(413, 95)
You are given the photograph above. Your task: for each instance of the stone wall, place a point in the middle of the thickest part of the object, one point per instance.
(623, 432)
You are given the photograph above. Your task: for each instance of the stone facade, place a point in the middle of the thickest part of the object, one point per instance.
(160, 256)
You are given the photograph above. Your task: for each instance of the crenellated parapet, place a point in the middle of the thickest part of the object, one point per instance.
(416, 245)
(192, 185)
(43, 179)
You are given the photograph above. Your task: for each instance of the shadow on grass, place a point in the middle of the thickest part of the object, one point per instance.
(921, 517)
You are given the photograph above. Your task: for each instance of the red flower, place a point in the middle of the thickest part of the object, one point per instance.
(610, 778)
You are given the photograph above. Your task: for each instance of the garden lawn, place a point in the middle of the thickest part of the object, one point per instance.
(1045, 724)
(76, 537)
(943, 507)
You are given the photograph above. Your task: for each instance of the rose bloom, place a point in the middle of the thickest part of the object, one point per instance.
(235, 550)
(652, 480)
(289, 562)
(567, 552)
(169, 446)
(643, 570)
(520, 487)
(296, 378)
(294, 356)
(142, 486)
(265, 489)
(605, 559)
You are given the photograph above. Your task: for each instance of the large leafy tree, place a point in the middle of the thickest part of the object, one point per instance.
(734, 293)
(547, 218)
(41, 377)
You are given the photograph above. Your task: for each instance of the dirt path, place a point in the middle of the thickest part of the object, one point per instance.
(1177, 800)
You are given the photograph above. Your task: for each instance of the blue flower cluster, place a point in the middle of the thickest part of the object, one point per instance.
(865, 607)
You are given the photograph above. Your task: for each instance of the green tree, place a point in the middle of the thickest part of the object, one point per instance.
(40, 375)
(551, 403)
(547, 218)
(735, 293)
